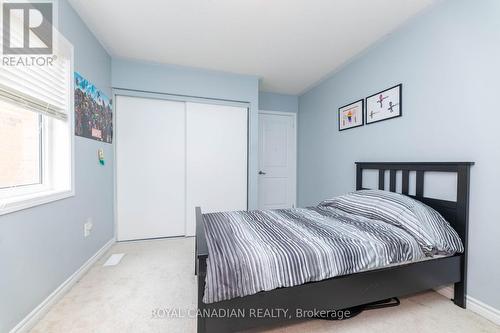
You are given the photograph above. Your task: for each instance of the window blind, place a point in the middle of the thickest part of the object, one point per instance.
(43, 87)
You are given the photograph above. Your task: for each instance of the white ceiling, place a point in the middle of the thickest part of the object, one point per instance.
(289, 44)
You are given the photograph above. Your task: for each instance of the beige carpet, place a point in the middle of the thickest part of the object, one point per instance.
(158, 274)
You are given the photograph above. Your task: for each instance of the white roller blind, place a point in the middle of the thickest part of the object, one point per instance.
(42, 88)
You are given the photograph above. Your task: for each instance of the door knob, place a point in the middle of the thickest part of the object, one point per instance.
(261, 172)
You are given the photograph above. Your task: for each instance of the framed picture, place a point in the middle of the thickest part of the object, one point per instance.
(351, 115)
(384, 105)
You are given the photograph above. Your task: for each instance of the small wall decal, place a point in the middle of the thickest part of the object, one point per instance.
(100, 156)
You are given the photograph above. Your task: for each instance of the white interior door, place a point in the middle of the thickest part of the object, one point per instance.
(216, 147)
(150, 168)
(277, 160)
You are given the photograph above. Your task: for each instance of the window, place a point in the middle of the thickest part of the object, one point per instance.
(36, 131)
(21, 146)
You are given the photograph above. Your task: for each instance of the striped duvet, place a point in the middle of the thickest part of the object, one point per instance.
(256, 251)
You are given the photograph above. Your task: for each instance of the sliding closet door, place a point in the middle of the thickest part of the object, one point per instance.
(216, 146)
(150, 168)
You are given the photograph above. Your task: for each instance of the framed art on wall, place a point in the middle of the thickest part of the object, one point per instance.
(351, 115)
(384, 105)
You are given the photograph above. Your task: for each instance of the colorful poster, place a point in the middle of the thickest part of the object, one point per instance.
(93, 111)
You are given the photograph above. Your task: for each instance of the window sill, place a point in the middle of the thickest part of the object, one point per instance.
(21, 202)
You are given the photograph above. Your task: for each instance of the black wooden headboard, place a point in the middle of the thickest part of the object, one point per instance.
(455, 212)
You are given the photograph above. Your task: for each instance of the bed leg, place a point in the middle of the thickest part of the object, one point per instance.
(460, 288)
(460, 297)
(200, 325)
(200, 320)
(201, 272)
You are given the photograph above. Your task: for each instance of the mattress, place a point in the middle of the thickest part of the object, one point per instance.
(253, 251)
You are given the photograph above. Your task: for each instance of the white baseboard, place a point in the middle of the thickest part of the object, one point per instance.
(34, 316)
(482, 309)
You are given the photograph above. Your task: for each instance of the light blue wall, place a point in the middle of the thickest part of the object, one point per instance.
(191, 82)
(42, 246)
(278, 102)
(448, 62)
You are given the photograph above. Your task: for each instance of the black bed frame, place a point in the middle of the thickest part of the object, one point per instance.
(360, 288)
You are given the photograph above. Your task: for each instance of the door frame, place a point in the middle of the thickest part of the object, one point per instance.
(293, 115)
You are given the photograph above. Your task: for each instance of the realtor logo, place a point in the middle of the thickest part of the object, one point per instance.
(27, 28)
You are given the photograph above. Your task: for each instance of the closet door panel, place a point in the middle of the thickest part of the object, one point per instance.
(150, 168)
(216, 148)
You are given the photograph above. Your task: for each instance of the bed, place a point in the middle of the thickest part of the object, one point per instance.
(401, 271)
